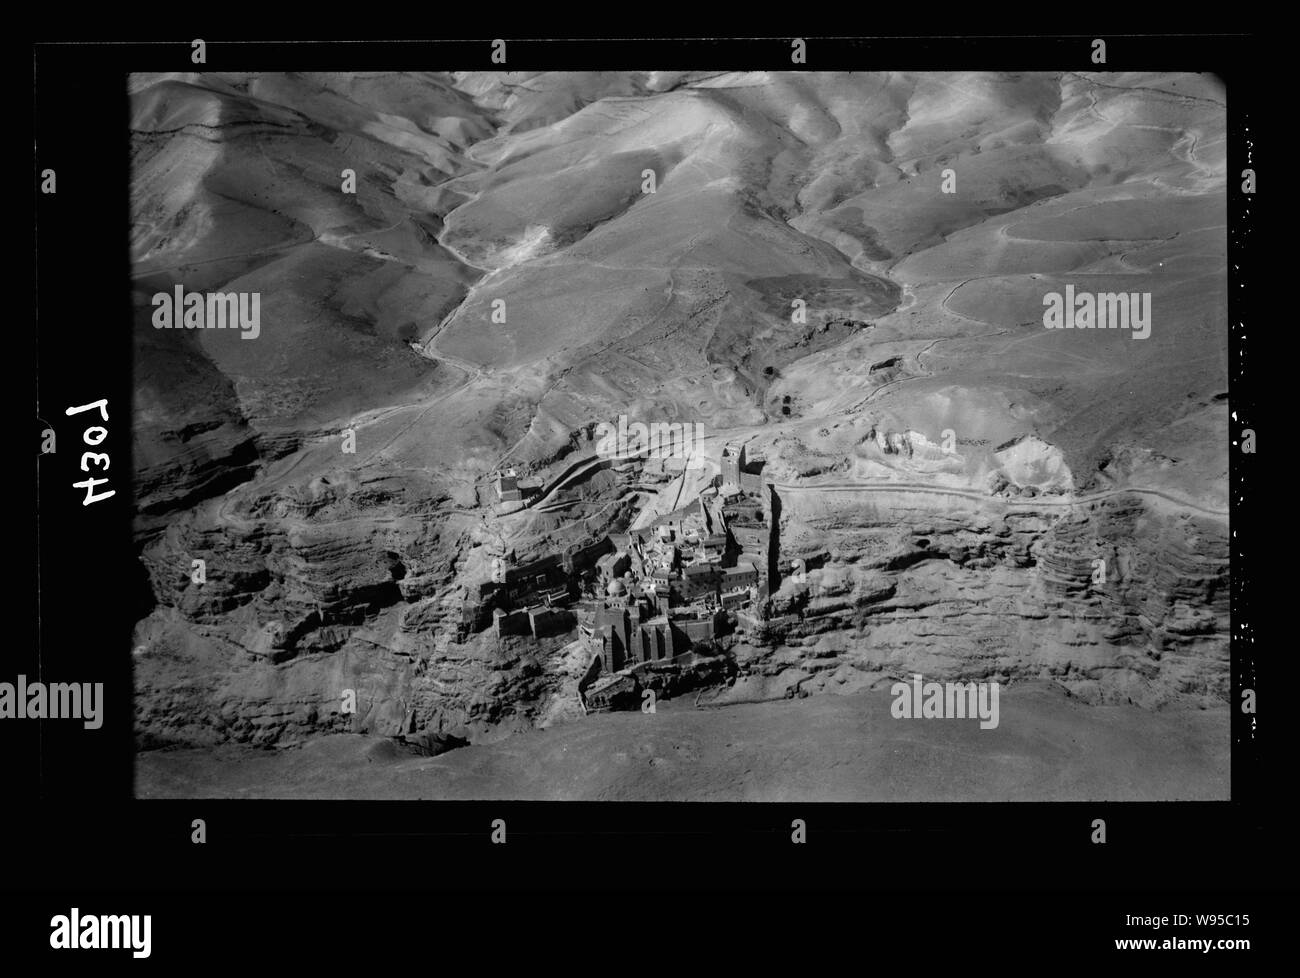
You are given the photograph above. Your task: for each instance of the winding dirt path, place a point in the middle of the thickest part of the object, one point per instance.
(1035, 502)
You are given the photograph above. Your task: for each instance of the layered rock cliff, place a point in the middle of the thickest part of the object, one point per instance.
(972, 496)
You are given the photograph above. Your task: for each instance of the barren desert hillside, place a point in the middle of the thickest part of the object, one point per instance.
(847, 274)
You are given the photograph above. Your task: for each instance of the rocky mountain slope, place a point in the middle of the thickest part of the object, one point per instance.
(949, 470)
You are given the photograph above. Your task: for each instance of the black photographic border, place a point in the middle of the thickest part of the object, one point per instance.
(78, 784)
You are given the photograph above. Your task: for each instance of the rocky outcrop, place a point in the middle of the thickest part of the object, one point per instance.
(303, 595)
(342, 592)
(1116, 601)
(341, 588)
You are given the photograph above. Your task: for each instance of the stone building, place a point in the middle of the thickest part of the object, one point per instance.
(609, 692)
(712, 547)
(743, 575)
(626, 631)
(527, 583)
(699, 580)
(510, 622)
(543, 620)
(584, 557)
(733, 461)
(612, 566)
(507, 486)
(537, 621)
(747, 522)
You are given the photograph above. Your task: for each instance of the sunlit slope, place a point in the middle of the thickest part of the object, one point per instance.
(846, 272)
(237, 185)
(663, 296)
(797, 238)
(679, 302)
(1103, 183)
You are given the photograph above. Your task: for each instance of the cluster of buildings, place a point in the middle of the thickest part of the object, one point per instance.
(666, 588)
(646, 596)
(532, 599)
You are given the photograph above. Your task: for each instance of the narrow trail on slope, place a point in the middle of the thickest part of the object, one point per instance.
(1032, 503)
(1143, 88)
